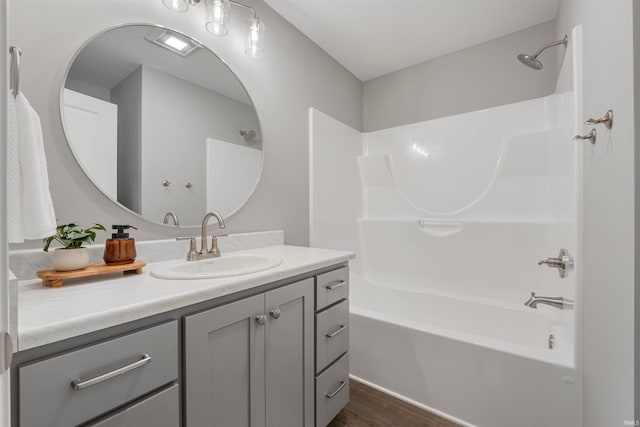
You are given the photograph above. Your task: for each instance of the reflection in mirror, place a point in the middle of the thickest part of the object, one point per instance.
(161, 125)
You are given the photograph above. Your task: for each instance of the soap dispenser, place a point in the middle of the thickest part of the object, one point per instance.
(120, 248)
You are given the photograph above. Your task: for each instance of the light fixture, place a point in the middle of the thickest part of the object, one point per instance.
(255, 38)
(217, 17)
(176, 5)
(172, 41)
(176, 43)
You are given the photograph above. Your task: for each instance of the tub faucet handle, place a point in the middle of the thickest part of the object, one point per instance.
(563, 262)
(591, 137)
(551, 262)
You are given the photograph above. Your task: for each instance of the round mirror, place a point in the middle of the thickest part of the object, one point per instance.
(161, 125)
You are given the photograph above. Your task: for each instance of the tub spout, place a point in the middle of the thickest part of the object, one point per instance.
(557, 302)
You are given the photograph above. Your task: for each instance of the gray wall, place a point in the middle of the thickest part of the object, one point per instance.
(482, 76)
(89, 89)
(293, 75)
(128, 95)
(177, 113)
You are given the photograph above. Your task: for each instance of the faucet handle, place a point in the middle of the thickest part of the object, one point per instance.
(191, 255)
(552, 262)
(563, 262)
(214, 246)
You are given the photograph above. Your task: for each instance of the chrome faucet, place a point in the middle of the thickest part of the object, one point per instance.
(173, 216)
(204, 252)
(557, 302)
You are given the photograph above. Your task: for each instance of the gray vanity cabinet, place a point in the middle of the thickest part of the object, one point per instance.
(250, 363)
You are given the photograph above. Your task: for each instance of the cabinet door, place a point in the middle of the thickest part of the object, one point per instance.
(289, 355)
(224, 366)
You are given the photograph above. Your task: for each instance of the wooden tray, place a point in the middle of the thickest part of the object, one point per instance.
(53, 278)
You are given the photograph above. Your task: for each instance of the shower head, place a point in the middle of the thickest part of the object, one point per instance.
(248, 135)
(532, 61)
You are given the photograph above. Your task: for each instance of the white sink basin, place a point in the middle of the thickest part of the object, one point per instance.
(224, 266)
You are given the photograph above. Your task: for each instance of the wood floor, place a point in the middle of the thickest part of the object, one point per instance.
(370, 408)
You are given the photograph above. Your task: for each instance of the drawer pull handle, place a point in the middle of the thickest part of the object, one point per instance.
(335, 285)
(79, 384)
(340, 387)
(336, 332)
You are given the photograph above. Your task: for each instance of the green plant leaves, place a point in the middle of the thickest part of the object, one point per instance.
(72, 236)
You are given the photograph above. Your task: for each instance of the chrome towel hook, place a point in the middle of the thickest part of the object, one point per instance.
(15, 70)
(606, 120)
(591, 136)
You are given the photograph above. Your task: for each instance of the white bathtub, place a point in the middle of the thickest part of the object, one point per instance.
(472, 361)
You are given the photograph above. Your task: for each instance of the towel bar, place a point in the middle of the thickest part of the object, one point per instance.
(15, 70)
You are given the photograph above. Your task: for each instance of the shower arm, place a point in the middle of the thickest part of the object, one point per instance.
(563, 41)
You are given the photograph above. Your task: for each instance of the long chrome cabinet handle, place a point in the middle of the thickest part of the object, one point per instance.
(336, 332)
(334, 285)
(79, 384)
(336, 391)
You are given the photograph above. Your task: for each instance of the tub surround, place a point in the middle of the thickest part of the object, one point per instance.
(86, 305)
(427, 232)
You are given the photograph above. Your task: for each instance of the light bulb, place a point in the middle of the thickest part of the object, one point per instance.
(176, 5)
(217, 15)
(255, 38)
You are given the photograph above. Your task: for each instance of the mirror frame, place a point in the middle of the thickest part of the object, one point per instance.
(93, 182)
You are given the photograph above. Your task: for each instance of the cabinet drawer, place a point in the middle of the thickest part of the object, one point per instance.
(332, 287)
(159, 410)
(332, 334)
(77, 386)
(332, 391)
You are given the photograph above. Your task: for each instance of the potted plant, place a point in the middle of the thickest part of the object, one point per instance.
(72, 256)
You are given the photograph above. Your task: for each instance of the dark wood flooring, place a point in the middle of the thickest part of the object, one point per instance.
(371, 408)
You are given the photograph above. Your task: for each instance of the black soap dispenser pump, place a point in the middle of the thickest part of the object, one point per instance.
(120, 249)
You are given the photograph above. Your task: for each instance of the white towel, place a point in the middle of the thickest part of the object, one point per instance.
(30, 208)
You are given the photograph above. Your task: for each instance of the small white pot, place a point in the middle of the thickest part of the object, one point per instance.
(70, 259)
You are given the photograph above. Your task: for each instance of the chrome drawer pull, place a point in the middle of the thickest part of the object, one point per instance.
(336, 332)
(334, 285)
(79, 384)
(340, 387)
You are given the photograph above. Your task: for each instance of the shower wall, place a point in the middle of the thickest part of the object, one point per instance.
(464, 205)
(335, 193)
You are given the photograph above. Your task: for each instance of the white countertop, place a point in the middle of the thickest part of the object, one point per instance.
(80, 306)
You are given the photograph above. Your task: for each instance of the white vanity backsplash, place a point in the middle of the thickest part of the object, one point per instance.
(25, 263)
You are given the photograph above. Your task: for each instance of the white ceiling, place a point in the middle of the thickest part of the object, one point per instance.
(372, 38)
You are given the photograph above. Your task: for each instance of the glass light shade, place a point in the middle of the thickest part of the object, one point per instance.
(176, 5)
(255, 38)
(217, 15)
